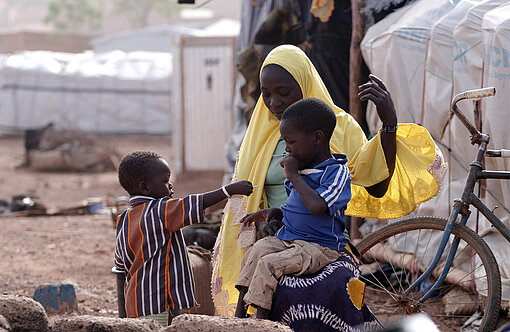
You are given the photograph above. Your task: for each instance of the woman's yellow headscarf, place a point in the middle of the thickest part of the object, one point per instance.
(418, 169)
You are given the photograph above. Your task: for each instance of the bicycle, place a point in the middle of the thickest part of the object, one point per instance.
(458, 277)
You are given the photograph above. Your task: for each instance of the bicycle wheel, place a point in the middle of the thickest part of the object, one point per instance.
(397, 254)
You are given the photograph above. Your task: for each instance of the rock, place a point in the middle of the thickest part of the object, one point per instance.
(56, 298)
(4, 324)
(101, 324)
(203, 323)
(23, 313)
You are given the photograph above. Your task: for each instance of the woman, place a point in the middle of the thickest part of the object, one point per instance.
(391, 174)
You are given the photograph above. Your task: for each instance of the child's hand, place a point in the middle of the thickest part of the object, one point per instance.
(267, 221)
(240, 188)
(260, 215)
(290, 167)
(270, 228)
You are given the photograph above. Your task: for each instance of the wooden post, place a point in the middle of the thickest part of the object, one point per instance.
(355, 79)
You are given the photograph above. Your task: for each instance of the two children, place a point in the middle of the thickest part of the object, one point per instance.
(150, 247)
(318, 187)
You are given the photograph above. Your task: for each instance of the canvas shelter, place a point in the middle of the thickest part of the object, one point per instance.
(113, 92)
(495, 119)
(426, 53)
(395, 50)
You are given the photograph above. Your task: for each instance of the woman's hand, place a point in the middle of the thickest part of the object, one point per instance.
(270, 228)
(240, 188)
(377, 92)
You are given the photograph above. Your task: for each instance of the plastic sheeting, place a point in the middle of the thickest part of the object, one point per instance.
(395, 49)
(113, 92)
(495, 119)
(428, 52)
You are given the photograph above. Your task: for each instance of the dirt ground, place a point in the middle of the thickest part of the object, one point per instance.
(75, 249)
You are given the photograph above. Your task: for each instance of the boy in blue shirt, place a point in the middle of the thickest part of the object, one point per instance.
(312, 235)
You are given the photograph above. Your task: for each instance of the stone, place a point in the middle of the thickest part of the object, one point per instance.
(100, 324)
(56, 298)
(23, 313)
(204, 323)
(4, 324)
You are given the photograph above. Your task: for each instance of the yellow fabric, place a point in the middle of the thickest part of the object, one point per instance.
(418, 160)
(356, 291)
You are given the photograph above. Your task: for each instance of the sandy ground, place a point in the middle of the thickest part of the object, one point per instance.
(71, 249)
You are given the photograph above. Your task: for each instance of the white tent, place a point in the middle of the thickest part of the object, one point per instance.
(466, 46)
(164, 38)
(438, 79)
(495, 119)
(435, 106)
(395, 49)
(115, 92)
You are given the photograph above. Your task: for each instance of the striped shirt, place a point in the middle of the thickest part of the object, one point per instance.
(150, 248)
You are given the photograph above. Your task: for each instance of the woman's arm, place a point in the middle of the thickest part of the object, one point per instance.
(377, 92)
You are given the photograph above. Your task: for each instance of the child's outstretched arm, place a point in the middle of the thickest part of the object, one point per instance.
(311, 198)
(237, 188)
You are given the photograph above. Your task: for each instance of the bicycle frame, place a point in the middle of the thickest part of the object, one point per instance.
(468, 198)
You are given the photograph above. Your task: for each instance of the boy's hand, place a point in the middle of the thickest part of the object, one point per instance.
(270, 228)
(376, 91)
(267, 221)
(240, 188)
(290, 167)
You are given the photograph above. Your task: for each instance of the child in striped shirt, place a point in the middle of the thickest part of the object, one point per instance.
(150, 246)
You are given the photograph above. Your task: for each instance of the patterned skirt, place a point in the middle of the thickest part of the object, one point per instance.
(329, 300)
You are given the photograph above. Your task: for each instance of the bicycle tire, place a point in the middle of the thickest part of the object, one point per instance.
(384, 291)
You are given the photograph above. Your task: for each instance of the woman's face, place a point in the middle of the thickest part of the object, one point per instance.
(279, 89)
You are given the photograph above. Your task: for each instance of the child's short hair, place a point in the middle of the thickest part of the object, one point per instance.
(134, 167)
(311, 114)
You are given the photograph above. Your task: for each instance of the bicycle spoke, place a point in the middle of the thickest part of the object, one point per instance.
(402, 251)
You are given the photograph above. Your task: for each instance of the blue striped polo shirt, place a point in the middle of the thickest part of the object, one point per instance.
(332, 180)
